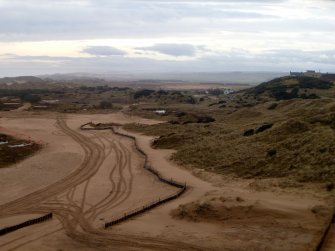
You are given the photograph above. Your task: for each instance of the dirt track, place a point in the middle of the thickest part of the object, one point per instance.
(87, 178)
(69, 201)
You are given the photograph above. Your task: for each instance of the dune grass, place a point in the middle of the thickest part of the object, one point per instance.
(299, 145)
(9, 156)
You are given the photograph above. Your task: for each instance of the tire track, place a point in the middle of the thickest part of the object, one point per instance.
(118, 197)
(92, 161)
(59, 199)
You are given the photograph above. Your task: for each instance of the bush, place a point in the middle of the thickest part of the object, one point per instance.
(190, 100)
(105, 105)
(273, 106)
(264, 127)
(294, 126)
(310, 96)
(329, 187)
(32, 98)
(271, 152)
(282, 94)
(249, 132)
(215, 92)
(143, 93)
(180, 114)
(205, 119)
(314, 83)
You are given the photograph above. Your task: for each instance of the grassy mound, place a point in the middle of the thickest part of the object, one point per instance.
(298, 141)
(291, 87)
(9, 155)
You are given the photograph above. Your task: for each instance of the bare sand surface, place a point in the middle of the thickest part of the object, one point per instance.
(329, 244)
(85, 178)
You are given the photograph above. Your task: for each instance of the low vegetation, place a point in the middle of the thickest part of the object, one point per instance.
(289, 138)
(10, 155)
(162, 96)
(281, 128)
(291, 87)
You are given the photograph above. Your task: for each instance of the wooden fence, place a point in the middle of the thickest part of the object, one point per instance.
(25, 224)
(182, 186)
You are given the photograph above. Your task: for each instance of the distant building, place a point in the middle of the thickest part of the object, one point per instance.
(160, 112)
(50, 101)
(228, 91)
(313, 74)
(296, 74)
(308, 73)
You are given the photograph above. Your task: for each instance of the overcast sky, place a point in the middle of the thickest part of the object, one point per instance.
(105, 36)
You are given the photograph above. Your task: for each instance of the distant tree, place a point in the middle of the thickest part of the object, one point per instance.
(215, 92)
(31, 98)
(105, 105)
(190, 100)
(143, 93)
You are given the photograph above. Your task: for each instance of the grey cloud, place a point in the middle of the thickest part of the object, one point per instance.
(214, 1)
(59, 20)
(235, 60)
(299, 56)
(103, 51)
(36, 58)
(172, 49)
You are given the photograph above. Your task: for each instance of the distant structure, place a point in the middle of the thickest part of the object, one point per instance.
(160, 112)
(308, 73)
(328, 76)
(313, 74)
(296, 74)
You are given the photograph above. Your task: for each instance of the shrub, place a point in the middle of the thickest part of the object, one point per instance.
(180, 114)
(205, 119)
(329, 187)
(174, 122)
(273, 106)
(143, 93)
(313, 83)
(294, 126)
(32, 98)
(264, 127)
(282, 94)
(310, 96)
(271, 152)
(215, 92)
(249, 132)
(190, 100)
(105, 105)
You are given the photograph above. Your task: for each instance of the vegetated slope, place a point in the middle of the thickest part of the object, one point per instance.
(10, 155)
(20, 80)
(163, 96)
(287, 138)
(292, 87)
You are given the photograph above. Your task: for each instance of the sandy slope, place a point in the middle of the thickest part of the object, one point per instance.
(85, 178)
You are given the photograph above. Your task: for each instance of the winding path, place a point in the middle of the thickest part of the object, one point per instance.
(67, 199)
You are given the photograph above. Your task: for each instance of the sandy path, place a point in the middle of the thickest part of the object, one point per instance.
(24, 107)
(92, 192)
(100, 175)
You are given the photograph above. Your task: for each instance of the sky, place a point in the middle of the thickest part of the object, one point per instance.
(131, 36)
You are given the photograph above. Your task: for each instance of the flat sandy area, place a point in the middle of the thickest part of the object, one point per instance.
(87, 178)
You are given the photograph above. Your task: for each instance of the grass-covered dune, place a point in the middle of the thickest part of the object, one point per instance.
(10, 155)
(294, 138)
(285, 88)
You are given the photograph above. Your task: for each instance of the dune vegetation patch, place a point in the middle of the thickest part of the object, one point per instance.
(296, 140)
(13, 150)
